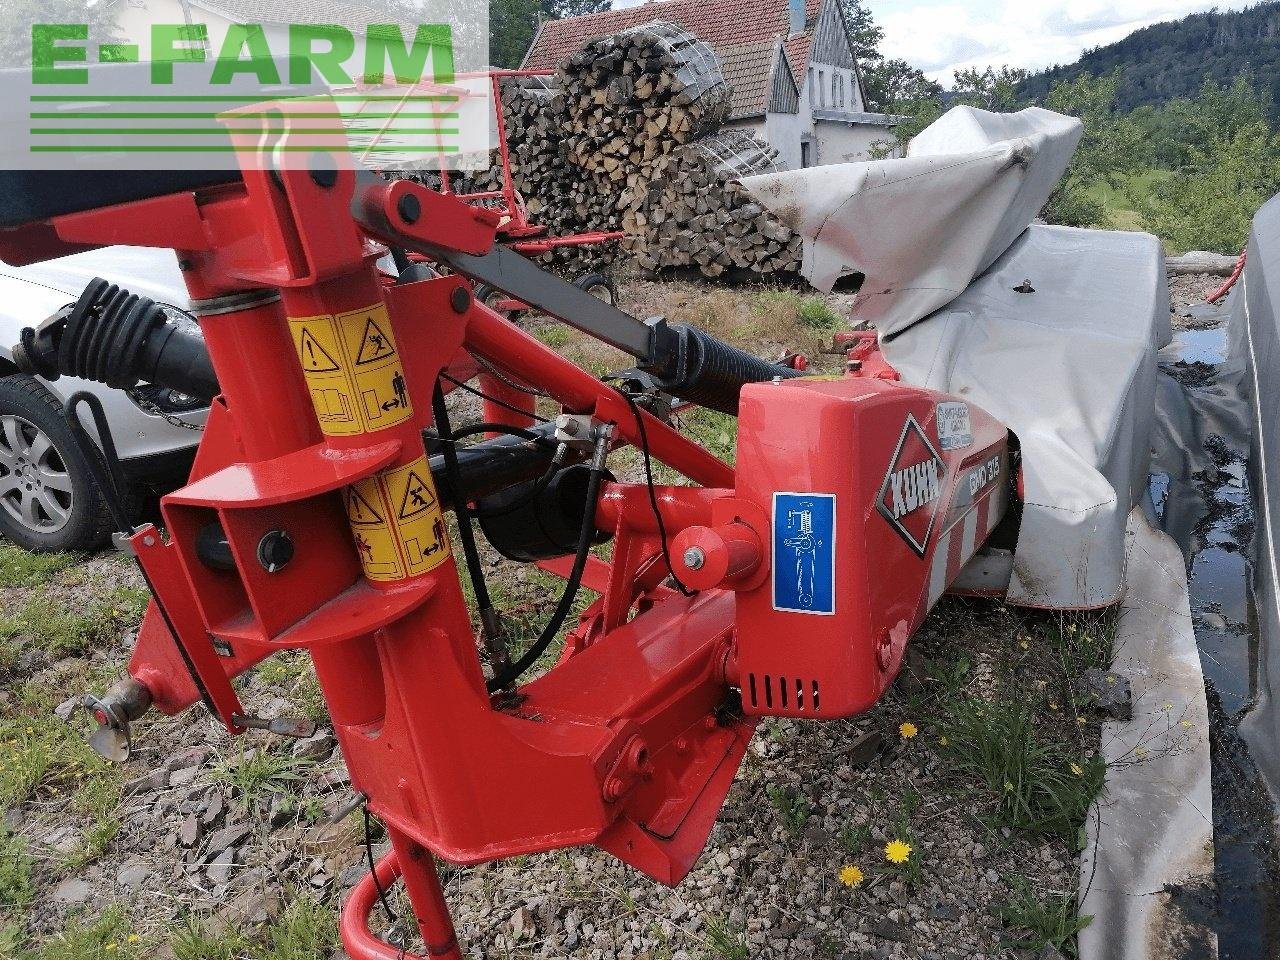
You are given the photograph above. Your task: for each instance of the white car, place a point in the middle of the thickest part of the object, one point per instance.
(46, 501)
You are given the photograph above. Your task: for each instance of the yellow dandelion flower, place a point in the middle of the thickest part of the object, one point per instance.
(1077, 769)
(1008, 787)
(1185, 724)
(1053, 705)
(895, 851)
(110, 946)
(134, 938)
(1140, 751)
(908, 730)
(851, 877)
(1166, 705)
(1024, 644)
(943, 741)
(1081, 720)
(1111, 678)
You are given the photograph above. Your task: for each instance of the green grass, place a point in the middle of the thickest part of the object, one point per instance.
(19, 568)
(306, 930)
(555, 335)
(62, 631)
(1118, 201)
(810, 312)
(816, 315)
(1033, 779)
(16, 888)
(191, 940)
(292, 672)
(794, 809)
(108, 937)
(726, 942)
(1034, 923)
(42, 755)
(256, 776)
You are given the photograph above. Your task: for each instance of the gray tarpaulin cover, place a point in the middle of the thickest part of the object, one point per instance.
(921, 227)
(1069, 365)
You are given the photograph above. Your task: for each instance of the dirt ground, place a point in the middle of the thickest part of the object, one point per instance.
(205, 847)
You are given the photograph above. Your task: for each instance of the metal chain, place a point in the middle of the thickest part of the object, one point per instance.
(148, 407)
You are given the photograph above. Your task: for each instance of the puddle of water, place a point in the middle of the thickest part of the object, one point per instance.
(1246, 867)
(1200, 346)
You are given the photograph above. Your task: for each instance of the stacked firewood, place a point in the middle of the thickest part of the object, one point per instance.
(696, 212)
(628, 136)
(633, 98)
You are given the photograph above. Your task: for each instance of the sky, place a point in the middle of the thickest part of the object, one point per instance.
(942, 37)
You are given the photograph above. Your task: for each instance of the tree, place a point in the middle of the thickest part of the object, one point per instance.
(988, 89)
(19, 15)
(1111, 149)
(865, 34)
(893, 84)
(514, 23)
(1209, 204)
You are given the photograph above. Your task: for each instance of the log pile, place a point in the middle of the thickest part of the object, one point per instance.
(697, 214)
(634, 98)
(628, 136)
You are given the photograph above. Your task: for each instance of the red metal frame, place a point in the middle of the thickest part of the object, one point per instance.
(632, 740)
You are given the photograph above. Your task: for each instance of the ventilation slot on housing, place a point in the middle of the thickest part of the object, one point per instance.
(805, 694)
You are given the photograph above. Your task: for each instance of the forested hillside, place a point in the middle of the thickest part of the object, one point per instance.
(1174, 59)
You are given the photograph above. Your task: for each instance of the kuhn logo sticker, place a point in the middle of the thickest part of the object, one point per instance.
(912, 488)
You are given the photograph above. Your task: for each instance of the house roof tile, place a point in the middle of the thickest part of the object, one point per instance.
(738, 31)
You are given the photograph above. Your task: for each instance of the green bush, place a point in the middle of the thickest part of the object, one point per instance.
(1209, 204)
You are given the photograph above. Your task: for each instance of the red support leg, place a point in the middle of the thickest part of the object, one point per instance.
(422, 883)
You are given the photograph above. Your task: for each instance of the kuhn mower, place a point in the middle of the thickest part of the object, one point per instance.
(786, 586)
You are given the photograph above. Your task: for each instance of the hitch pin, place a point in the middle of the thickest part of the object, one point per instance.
(294, 727)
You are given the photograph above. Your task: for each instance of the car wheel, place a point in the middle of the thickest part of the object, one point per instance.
(47, 500)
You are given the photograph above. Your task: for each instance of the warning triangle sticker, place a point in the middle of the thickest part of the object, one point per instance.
(375, 345)
(315, 359)
(417, 497)
(360, 511)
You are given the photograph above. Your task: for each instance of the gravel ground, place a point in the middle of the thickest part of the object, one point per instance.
(1189, 291)
(229, 832)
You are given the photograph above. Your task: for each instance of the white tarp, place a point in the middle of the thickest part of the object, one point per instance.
(921, 227)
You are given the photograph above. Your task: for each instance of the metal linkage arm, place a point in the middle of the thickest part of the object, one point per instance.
(683, 360)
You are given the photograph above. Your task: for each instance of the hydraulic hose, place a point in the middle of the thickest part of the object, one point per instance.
(586, 537)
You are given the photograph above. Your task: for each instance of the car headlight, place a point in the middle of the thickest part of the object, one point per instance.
(151, 398)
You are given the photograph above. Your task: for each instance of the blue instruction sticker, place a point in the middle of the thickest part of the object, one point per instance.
(804, 553)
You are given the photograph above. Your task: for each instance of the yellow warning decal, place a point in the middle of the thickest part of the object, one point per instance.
(397, 523)
(375, 541)
(418, 520)
(353, 370)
